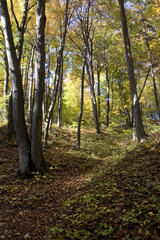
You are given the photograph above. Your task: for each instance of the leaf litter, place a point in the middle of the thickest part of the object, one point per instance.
(87, 194)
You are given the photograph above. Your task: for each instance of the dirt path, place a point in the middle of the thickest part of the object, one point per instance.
(29, 207)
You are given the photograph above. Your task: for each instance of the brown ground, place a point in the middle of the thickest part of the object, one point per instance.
(29, 207)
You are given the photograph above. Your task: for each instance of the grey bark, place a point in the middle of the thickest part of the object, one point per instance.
(120, 84)
(57, 74)
(10, 126)
(52, 105)
(108, 95)
(98, 91)
(93, 99)
(88, 41)
(26, 81)
(20, 28)
(81, 107)
(17, 92)
(47, 92)
(128, 119)
(6, 77)
(31, 72)
(21, 31)
(144, 84)
(153, 75)
(133, 89)
(108, 85)
(60, 98)
(6, 83)
(36, 127)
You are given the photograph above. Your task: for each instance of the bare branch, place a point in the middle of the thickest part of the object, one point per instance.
(13, 13)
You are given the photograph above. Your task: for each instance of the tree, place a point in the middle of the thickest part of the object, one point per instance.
(36, 127)
(133, 90)
(152, 70)
(88, 32)
(17, 92)
(58, 74)
(21, 28)
(30, 153)
(82, 100)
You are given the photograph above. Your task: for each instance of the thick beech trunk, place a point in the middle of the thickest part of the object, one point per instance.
(21, 31)
(6, 77)
(6, 82)
(133, 90)
(36, 127)
(17, 92)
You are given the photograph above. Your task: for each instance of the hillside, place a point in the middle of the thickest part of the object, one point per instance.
(110, 189)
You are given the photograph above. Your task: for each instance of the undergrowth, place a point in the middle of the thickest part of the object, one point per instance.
(122, 200)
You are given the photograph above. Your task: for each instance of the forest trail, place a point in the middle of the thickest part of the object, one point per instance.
(78, 181)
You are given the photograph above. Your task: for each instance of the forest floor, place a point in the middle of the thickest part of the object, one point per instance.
(109, 189)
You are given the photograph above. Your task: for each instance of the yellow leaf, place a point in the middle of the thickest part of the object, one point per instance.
(151, 213)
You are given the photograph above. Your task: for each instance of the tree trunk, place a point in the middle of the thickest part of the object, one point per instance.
(120, 84)
(6, 82)
(153, 76)
(10, 128)
(133, 90)
(25, 87)
(47, 92)
(81, 107)
(57, 73)
(107, 102)
(111, 110)
(52, 105)
(6, 78)
(31, 68)
(17, 92)
(36, 128)
(60, 98)
(21, 30)
(93, 99)
(98, 91)
(128, 119)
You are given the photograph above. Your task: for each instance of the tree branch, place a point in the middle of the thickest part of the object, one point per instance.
(144, 84)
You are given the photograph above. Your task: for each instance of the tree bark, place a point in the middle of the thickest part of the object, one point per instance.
(81, 107)
(60, 98)
(52, 105)
(36, 127)
(17, 92)
(21, 30)
(6, 78)
(133, 90)
(107, 100)
(31, 72)
(6, 82)
(153, 76)
(26, 81)
(93, 99)
(57, 74)
(98, 91)
(47, 92)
